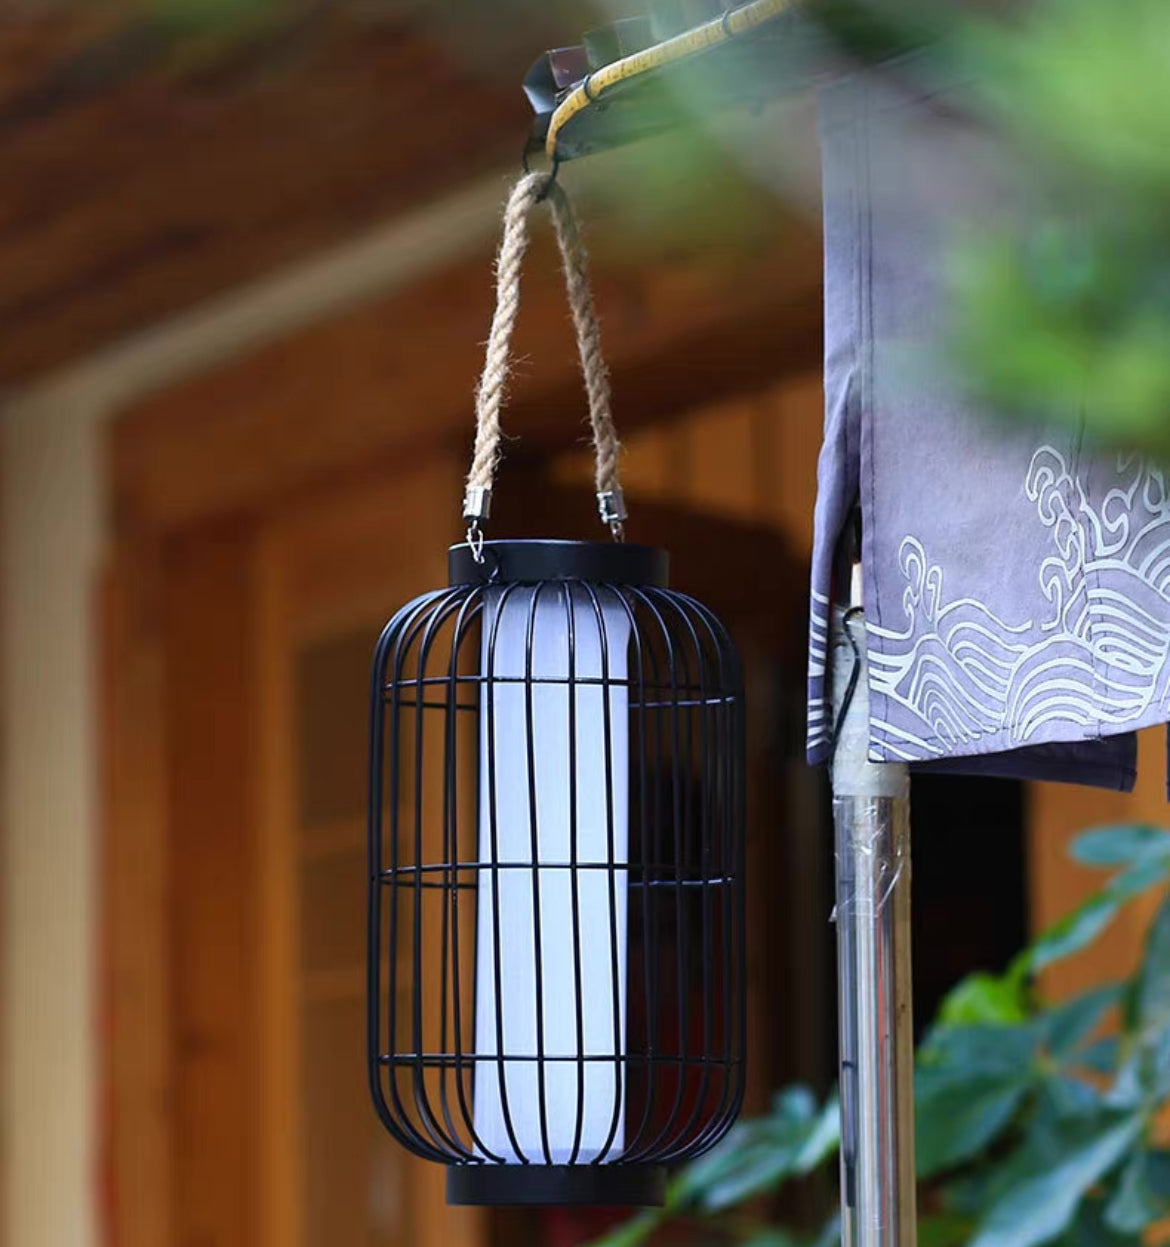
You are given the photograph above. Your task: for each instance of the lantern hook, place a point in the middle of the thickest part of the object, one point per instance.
(475, 540)
(534, 145)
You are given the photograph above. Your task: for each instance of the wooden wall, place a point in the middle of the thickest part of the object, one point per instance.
(752, 458)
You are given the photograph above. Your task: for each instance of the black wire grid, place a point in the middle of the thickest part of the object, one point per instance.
(640, 669)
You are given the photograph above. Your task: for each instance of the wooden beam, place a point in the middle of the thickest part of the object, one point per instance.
(750, 349)
(136, 1034)
(209, 610)
(133, 195)
(393, 378)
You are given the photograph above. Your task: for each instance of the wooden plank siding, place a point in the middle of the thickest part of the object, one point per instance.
(396, 379)
(149, 168)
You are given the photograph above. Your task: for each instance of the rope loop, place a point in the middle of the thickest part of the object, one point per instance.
(534, 188)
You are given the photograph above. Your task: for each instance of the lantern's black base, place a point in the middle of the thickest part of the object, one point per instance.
(601, 1186)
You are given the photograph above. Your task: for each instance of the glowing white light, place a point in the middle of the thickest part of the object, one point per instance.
(533, 721)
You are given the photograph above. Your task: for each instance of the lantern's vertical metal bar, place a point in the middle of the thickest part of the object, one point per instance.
(724, 870)
(374, 949)
(871, 808)
(722, 699)
(708, 796)
(737, 889)
(413, 618)
(390, 1112)
(694, 701)
(611, 870)
(659, 651)
(731, 831)
(489, 682)
(534, 842)
(449, 877)
(669, 763)
(641, 774)
(574, 873)
(436, 621)
(395, 713)
(685, 784)
(737, 855)
(736, 840)
(471, 608)
(416, 925)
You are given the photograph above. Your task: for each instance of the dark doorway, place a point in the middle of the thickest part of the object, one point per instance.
(970, 882)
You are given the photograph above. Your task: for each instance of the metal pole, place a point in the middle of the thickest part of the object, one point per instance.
(871, 814)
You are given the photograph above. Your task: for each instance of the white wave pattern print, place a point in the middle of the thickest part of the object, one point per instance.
(1098, 657)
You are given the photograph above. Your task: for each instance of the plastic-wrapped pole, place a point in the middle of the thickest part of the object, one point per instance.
(871, 813)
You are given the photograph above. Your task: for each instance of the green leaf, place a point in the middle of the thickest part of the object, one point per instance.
(1078, 929)
(1158, 1172)
(635, 1231)
(793, 1104)
(1136, 1204)
(822, 1140)
(760, 1155)
(1128, 1090)
(1101, 1055)
(1156, 1066)
(972, 1051)
(1119, 846)
(1049, 1137)
(736, 1151)
(757, 1170)
(956, 1118)
(829, 1234)
(944, 1229)
(1089, 1229)
(985, 999)
(1065, 1026)
(1152, 1013)
(1072, 1097)
(773, 1236)
(1042, 1207)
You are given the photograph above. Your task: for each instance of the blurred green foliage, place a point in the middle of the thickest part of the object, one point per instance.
(1062, 306)
(1035, 1121)
(1061, 302)
(224, 17)
(1070, 315)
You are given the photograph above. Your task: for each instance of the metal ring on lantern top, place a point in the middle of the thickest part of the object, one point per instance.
(502, 562)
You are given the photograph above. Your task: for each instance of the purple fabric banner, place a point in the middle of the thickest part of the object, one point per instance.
(1016, 585)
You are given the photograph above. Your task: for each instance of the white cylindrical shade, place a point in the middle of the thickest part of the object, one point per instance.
(554, 777)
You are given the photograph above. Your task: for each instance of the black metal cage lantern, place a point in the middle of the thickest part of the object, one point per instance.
(556, 925)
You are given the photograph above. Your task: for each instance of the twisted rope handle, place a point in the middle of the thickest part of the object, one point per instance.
(530, 190)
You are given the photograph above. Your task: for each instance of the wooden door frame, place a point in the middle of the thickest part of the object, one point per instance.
(135, 983)
(178, 872)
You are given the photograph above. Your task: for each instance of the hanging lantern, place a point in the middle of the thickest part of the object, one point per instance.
(556, 976)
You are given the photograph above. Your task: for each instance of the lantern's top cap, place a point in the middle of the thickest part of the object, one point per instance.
(527, 562)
